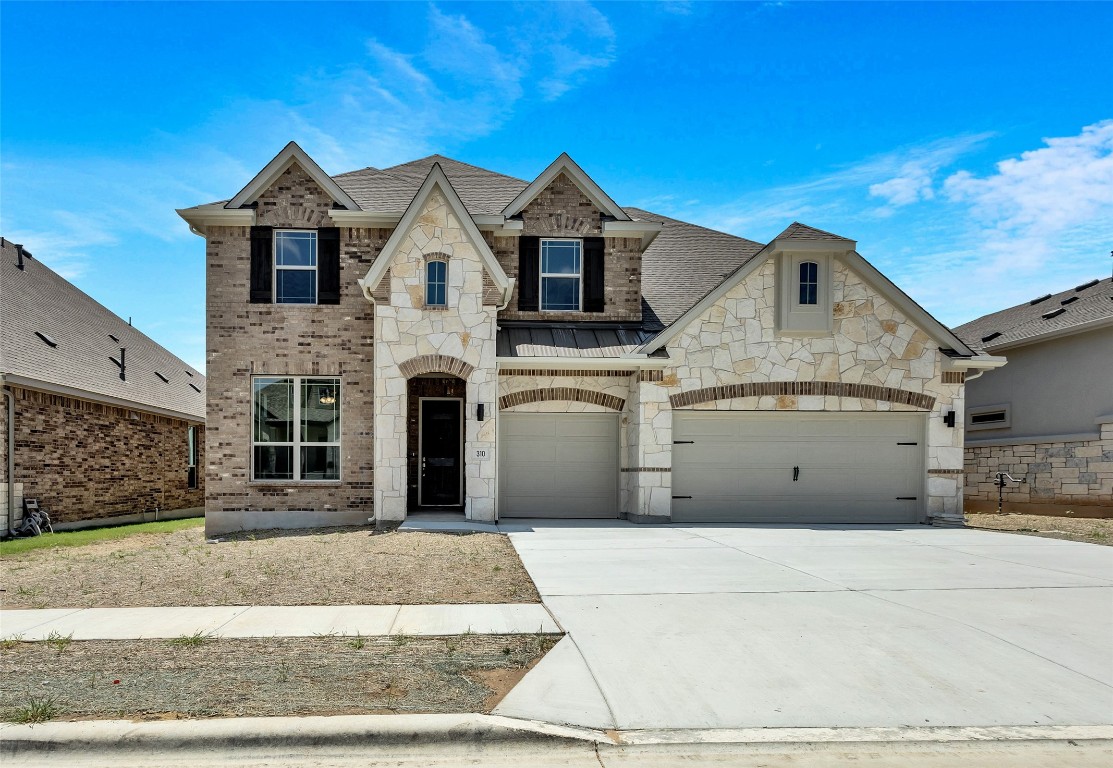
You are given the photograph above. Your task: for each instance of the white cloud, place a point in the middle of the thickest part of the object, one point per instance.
(912, 185)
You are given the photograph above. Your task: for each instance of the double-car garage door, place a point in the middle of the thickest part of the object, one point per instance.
(797, 467)
(558, 465)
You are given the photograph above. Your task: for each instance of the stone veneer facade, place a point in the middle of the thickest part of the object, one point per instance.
(1058, 476)
(85, 460)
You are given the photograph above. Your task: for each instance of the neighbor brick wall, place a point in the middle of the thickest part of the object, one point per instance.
(287, 340)
(561, 210)
(84, 460)
(1058, 475)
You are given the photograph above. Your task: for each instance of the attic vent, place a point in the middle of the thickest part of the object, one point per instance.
(1053, 313)
(991, 336)
(189, 374)
(46, 339)
(1069, 300)
(1084, 286)
(114, 338)
(194, 387)
(162, 377)
(1033, 302)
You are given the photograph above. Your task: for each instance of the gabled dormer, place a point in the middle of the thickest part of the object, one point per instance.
(804, 271)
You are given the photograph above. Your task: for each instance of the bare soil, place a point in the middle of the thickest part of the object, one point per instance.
(157, 679)
(311, 567)
(1089, 530)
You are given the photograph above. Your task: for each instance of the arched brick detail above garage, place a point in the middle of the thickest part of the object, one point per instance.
(453, 366)
(797, 388)
(561, 393)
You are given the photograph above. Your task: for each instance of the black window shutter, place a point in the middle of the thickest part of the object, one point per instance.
(594, 249)
(529, 272)
(328, 265)
(262, 264)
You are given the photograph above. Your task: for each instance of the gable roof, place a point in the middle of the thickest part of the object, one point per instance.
(1074, 310)
(798, 231)
(392, 189)
(566, 165)
(39, 301)
(435, 179)
(289, 155)
(683, 264)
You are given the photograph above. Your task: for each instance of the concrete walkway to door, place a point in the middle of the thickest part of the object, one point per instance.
(722, 626)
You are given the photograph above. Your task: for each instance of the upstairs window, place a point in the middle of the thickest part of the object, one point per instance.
(561, 275)
(436, 284)
(295, 267)
(809, 283)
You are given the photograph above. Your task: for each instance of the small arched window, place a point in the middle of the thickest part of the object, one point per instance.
(436, 284)
(809, 283)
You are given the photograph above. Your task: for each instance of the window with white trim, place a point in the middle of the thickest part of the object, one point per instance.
(561, 275)
(809, 283)
(989, 417)
(191, 456)
(436, 284)
(295, 267)
(296, 428)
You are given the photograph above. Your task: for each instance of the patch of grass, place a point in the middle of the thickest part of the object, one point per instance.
(93, 535)
(58, 641)
(198, 638)
(401, 640)
(36, 710)
(357, 642)
(9, 643)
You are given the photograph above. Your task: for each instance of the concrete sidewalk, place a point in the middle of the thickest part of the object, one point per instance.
(278, 621)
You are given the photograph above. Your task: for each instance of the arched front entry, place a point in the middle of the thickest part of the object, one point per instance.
(435, 421)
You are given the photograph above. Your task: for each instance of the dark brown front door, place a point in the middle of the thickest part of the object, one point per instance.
(441, 452)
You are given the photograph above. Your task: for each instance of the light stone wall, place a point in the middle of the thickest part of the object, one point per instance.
(1058, 475)
(872, 343)
(464, 330)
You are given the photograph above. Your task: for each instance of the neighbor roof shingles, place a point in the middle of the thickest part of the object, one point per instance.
(1084, 305)
(36, 299)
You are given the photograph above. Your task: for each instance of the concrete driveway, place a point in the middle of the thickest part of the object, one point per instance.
(718, 626)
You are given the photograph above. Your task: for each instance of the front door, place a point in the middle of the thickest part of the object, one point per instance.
(441, 470)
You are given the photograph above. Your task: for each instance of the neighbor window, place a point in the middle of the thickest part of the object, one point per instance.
(191, 457)
(988, 417)
(809, 282)
(436, 284)
(295, 267)
(296, 431)
(561, 275)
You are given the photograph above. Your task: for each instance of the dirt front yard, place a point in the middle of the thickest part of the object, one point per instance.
(1089, 530)
(317, 567)
(160, 679)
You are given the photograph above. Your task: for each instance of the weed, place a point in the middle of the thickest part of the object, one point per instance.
(8, 643)
(497, 568)
(198, 638)
(37, 710)
(506, 650)
(228, 573)
(401, 640)
(58, 641)
(356, 642)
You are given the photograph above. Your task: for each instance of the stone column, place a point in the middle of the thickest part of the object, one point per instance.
(650, 450)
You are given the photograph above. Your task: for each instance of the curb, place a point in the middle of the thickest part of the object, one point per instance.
(270, 732)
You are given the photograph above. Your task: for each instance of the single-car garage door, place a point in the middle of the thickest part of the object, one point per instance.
(797, 467)
(558, 465)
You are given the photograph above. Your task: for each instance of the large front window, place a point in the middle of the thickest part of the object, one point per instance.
(560, 275)
(296, 430)
(295, 267)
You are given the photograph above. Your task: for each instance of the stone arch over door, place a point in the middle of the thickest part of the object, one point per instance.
(453, 366)
(805, 388)
(561, 393)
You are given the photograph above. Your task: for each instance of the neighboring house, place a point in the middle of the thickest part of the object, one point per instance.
(438, 336)
(105, 423)
(1047, 417)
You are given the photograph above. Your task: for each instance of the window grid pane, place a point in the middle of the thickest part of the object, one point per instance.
(436, 283)
(295, 249)
(561, 262)
(809, 283)
(312, 452)
(295, 286)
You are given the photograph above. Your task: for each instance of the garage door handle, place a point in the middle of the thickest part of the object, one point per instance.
(683, 442)
(906, 498)
(907, 443)
(795, 474)
(682, 497)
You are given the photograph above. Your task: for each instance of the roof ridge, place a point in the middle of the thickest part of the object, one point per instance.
(691, 224)
(799, 225)
(437, 156)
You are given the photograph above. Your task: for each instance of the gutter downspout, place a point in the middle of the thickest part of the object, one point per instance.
(11, 453)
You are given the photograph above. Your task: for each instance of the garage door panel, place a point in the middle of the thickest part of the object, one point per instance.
(558, 465)
(851, 468)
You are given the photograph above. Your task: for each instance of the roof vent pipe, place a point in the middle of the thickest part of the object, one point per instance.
(121, 363)
(19, 256)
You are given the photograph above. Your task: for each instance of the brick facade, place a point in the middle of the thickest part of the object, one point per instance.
(245, 339)
(562, 210)
(1058, 475)
(85, 460)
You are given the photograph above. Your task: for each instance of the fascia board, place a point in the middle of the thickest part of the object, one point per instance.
(594, 192)
(435, 178)
(1092, 325)
(216, 216)
(978, 362)
(290, 154)
(701, 306)
(585, 363)
(82, 394)
(366, 218)
(917, 314)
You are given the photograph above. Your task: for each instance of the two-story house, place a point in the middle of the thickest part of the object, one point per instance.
(436, 336)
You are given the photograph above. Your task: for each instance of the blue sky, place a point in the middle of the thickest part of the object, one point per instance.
(967, 147)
